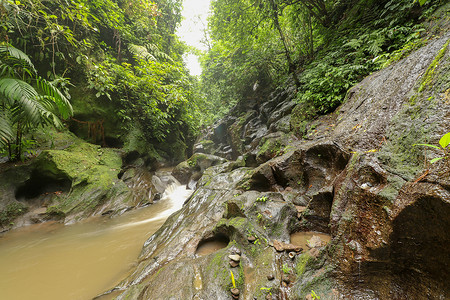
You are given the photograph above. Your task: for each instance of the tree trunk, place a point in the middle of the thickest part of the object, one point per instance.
(291, 65)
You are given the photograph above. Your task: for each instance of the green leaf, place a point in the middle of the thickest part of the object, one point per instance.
(428, 145)
(6, 130)
(17, 54)
(18, 92)
(445, 140)
(436, 159)
(63, 104)
(422, 2)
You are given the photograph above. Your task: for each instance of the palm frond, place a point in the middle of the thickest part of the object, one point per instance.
(140, 52)
(6, 130)
(153, 49)
(17, 54)
(20, 93)
(61, 101)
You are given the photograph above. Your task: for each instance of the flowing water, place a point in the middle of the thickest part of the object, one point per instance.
(53, 261)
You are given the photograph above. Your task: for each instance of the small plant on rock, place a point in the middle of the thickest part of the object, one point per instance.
(444, 148)
(261, 199)
(268, 290)
(314, 295)
(286, 269)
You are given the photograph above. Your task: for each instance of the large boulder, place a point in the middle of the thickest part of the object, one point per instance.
(193, 168)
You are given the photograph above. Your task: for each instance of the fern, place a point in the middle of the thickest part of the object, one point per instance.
(149, 52)
(15, 54)
(6, 130)
(354, 44)
(62, 103)
(23, 106)
(140, 52)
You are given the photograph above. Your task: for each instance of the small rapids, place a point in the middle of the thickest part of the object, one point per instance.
(80, 261)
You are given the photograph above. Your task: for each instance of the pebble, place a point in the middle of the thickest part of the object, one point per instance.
(286, 279)
(235, 257)
(233, 264)
(235, 251)
(235, 292)
(270, 277)
(251, 239)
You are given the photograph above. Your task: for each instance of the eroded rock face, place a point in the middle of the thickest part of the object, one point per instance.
(193, 168)
(243, 130)
(352, 177)
(379, 217)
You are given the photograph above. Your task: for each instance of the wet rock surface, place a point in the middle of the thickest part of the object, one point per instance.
(352, 177)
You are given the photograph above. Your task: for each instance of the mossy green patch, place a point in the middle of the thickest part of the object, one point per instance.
(239, 222)
(390, 191)
(136, 140)
(429, 73)
(194, 159)
(221, 270)
(301, 263)
(399, 153)
(319, 281)
(91, 169)
(236, 129)
(208, 146)
(276, 229)
(271, 147)
(11, 211)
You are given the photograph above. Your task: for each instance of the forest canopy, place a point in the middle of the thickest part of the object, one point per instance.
(124, 52)
(122, 62)
(323, 46)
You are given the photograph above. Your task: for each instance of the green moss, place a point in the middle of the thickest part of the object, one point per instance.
(302, 262)
(277, 229)
(216, 262)
(403, 52)
(208, 146)
(135, 140)
(271, 147)
(399, 153)
(211, 197)
(238, 222)
(193, 160)
(320, 282)
(12, 211)
(219, 265)
(429, 74)
(236, 129)
(93, 171)
(390, 191)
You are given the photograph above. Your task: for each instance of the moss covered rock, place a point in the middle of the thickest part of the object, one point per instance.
(193, 168)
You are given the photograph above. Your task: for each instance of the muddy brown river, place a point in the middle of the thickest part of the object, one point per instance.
(53, 261)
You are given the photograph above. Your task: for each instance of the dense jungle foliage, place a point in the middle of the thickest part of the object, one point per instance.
(324, 46)
(124, 52)
(126, 55)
